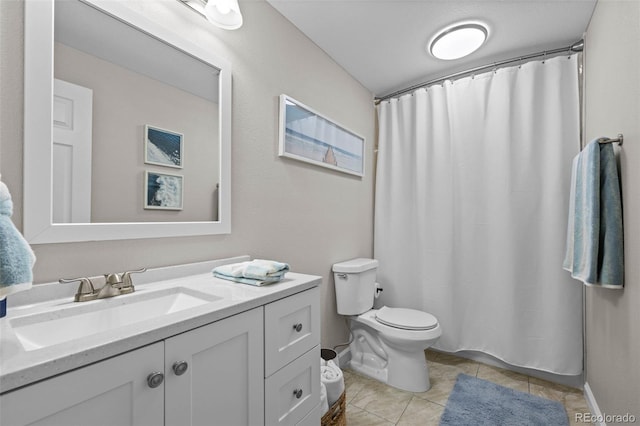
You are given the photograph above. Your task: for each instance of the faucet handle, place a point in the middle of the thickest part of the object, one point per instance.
(127, 283)
(85, 292)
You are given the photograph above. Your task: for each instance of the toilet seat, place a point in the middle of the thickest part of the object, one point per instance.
(406, 319)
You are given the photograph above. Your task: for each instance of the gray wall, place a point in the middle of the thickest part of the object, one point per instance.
(308, 216)
(613, 106)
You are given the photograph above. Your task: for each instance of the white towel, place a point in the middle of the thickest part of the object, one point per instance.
(256, 272)
(333, 380)
(324, 404)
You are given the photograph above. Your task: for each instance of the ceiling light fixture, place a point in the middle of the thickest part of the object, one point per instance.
(458, 41)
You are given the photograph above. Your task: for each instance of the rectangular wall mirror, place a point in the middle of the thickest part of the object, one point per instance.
(127, 127)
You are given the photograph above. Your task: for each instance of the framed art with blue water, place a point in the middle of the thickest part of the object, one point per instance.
(163, 147)
(163, 191)
(308, 136)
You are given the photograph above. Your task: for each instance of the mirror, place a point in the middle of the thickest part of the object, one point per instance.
(137, 143)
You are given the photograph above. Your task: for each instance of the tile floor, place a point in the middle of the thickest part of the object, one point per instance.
(371, 403)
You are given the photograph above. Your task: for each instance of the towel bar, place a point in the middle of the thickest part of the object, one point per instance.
(619, 139)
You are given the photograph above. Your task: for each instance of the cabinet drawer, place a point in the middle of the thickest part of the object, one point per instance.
(292, 327)
(313, 418)
(292, 392)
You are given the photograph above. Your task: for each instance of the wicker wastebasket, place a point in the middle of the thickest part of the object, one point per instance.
(337, 414)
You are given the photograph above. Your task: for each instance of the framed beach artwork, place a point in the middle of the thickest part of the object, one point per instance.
(308, 136)
(163, 191)
(163, 147)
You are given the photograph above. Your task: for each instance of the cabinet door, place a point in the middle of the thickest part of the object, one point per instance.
(224, 379)
(110, 392)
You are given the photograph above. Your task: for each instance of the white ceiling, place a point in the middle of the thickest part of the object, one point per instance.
(382, 43)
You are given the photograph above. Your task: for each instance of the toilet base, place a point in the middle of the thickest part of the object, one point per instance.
(411, 376)
(404, 368)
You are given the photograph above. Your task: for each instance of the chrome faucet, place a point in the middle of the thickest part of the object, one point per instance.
(114, 285)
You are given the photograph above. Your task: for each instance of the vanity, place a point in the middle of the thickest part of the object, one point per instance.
(184, 349)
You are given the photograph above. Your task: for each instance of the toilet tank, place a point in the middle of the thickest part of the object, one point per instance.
(355, 282)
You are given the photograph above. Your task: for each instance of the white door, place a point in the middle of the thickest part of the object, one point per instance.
(72, 126)
(222, 382)
(108, 393)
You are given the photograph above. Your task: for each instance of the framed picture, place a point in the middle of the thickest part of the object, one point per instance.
(308, 136)
(162, 147)
(163, 191)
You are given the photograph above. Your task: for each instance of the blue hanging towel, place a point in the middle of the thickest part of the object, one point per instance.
(16, 257)
(595, 248)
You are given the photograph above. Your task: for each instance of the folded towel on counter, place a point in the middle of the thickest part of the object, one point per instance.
(333, 380)
(324, 404)
(595, 253)
(16, 257)
(255, 272)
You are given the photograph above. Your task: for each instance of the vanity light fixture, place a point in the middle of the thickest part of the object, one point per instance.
(224, 14)
(221, 13)
(458, 40)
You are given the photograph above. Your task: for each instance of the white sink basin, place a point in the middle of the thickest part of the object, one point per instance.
(77, 320)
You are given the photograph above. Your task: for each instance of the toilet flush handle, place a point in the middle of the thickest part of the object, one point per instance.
(343, 276)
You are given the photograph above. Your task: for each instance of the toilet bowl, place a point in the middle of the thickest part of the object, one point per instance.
(390, 354)
(387, 344)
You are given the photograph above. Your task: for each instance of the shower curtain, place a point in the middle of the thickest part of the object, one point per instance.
(471, 204)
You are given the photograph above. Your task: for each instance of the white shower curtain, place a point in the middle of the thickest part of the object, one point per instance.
(471, 209)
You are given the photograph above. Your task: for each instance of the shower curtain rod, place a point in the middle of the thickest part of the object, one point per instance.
(575, 47)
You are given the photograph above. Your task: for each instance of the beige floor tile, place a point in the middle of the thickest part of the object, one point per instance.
(382, 400)
(353, 383)
(550, 390)
(421, 412)
(359, 417)
(374, 403)
(448, 363)
(506, 378)
(440, 390)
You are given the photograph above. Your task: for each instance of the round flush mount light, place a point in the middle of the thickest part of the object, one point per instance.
(458, 41)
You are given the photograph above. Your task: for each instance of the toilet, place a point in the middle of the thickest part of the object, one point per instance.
(387, 344)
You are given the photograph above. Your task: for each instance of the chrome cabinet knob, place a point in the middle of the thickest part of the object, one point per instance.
(297, 393)
(155, 379)
(180, 367)
(297, 327)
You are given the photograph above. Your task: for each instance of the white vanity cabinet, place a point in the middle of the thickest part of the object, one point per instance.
(260, 366)
(212, 375)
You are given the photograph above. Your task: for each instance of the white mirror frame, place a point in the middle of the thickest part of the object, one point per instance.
(38, 226)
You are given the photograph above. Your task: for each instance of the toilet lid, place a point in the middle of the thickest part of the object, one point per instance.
(408, 319)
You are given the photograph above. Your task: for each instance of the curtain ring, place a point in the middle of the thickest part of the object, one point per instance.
(520, 65)
(544, 57)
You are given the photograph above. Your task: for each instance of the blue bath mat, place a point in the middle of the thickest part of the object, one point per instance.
(475, 401)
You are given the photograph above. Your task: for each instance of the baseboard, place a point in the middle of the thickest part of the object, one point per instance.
(597, 417)
(344, 357)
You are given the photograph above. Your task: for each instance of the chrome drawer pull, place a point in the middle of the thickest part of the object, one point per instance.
(297, 393)
(297, 327)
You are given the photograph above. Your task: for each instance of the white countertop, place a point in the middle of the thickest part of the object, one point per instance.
(20, 367)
